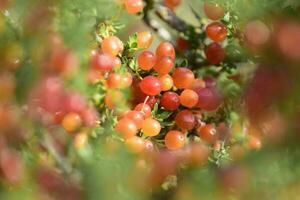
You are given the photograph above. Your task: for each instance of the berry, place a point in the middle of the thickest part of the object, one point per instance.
(112, 45)
(216, 31)
(183, 78)
(210, 81)
(174, 140)
(146, 60)
(137, 117)
(102, 61)
(172, 3)
(144, 108)
(166, 82)
(144, 39)
(127, 128)
(213, 11)
(170, 101)
(188, 98)
(164, 65)
(254, 143)
(208, 133)
(134, 6)
(214, 53)
(117, 63)
(126, 80)
(71, 122)
(256, 32)
(209, 99)
(165, 49)
(151, 127)
(198, 154)
(150, 85)
(135, 144)
(185, 119)
(182, 44)
(113, 80)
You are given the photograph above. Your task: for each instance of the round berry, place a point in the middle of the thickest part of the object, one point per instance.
(216, 31)
(166, 82)
(151, 127)
(126, 80)
(112, 45)
(127, 128)
(165, 49)
(113, 80)
(214, 53)
(183, 78)
(137, 117)
(164, 65)
(172, 3)
(182, 44)
(208, 133)
(174, 140)
(257, 33)
(135, 144)
(134, 6)
(170, 101)
(150, 85)
(71, 122)
(208, 99)
(198, 83)
(213, 11)
(146, 60)
(102, 61)
(144, 109)
(185, 119)
(188, 98)
(144, 39)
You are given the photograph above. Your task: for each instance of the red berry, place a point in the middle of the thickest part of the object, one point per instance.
(208, 133)
(183, 78)
(172, 3)
(257, 33)
(216, 31)
(214, 53)
(126, 127)
(126, 80)
(165, 49)
(185, 119)
(113, 80)
(182, 44)
(146, 60)
(150, 85)
(137, 117)
(102, 61)
(164, 65)
(170, 101)
(213, 11)
(144, 108)
(134, 6)
(174, 140)
(209, 99)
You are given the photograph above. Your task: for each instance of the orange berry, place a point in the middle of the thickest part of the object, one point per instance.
(134, 6)
(135, 144)
(164, 65)
(144, 39)
(144, 108)
(188, 98)
(80, 140)
(137, 117)
(112, 45)
(183, 78)
(146, 60)
(151, 127)
(208, 133)
(174, 140)
(166, 82)
(165, 49)
(71, 122)
(213, 11)
(127, 128)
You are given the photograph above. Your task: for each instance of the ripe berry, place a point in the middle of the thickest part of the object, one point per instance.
(144, 39)
(198, 83)
(151, 127)
(213, 11)
(208, 133)
(214, 53)
(188, 98)
(135, 144)
(126, 127)
(170, 101)
(216, 31)
(146, 60)
(166, 82)
(183, 78)
(172, 3)
(182, 44)
(174, 140)
(134, 6)
(71, 122)
(257, 33)
(137, 117)
(209, 99)
(164, 65)
(126, 80)
(113, 80)
(102, 61)
(185, 119)
(112, 45)
(144, 108)
(165, 49)
(150, 85)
